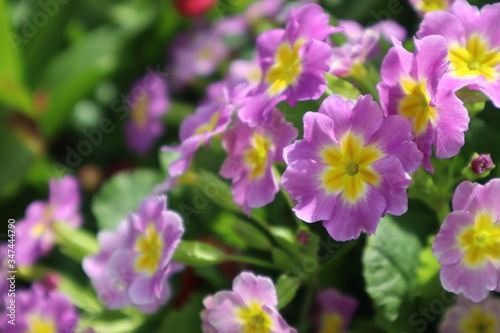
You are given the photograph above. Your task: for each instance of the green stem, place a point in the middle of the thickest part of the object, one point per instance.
(250, 260)
(306, 307)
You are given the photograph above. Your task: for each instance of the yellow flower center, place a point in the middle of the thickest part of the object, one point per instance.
(254, 319)
(210, 126)
(287, 67)
(431, 5)
(140, 111)
(349, 167)
(43, 225)
(476, 58)
(415, 105)
(256, 156)
(331, 323)
(481, 241)
(39, 325)
(149, 247)
(479, 322)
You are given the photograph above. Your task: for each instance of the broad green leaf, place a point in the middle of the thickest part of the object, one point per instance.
(286, 288)
(342, 87)
(17, 158)
(12, 89)
(429, 266)
(72, 74)
(198, 254)
(75, 243)
(390, 261)
(122, 194)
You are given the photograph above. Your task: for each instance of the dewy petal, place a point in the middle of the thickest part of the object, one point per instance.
(349, 220)
(445, 247)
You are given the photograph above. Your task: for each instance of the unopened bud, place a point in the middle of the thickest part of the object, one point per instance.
(481, 163)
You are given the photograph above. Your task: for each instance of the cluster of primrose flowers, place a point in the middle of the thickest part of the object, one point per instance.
(353, 165)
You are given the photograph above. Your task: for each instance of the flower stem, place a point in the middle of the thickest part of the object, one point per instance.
(250, 260)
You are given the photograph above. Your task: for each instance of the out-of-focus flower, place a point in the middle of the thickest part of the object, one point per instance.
(334, 311)
(211, 118)
(362, 44)
(293, 60)
(39, 310)
(481, 163)
(473, 46)
(148, 103)
(424, 6)
(352, 166)
(467, 316)
(468, 244)
(409, 87)
(249, 307)
(248, 70)
(37, 227)
(134, 265)
(196, 54)
(251, 153)
(193, 8)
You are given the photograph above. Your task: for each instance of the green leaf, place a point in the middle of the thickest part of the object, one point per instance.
(286, 239)
(198, 254)
(73, 73)
(281, 259)
(390, 261)
(17, 157)
(12, 89)
(342, 87)
(251, 235)
(286, 288)
(429, 266)
(75, 243)
(122, 194)
(214, 188)
(187, 319)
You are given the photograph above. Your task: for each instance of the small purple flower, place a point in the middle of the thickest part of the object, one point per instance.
(134, 264)
(37, 227)
(481, 163)
(467, 316)
(294, 62)
(251, 153)
(211, 118)
(196, 54)
(148, 103)
(334, 311)
(39, 310)
(425, 6)
(468, 244)
(352, 166)
(473, 46)
(362, 44)
(249, 307)
(409, 87)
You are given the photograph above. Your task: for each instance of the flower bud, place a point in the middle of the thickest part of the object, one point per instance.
(481, 163)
